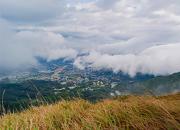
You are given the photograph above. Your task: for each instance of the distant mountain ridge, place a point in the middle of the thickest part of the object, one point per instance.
(162, 84)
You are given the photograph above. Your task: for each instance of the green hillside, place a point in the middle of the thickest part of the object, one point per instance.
(18, 96)
(159, 85)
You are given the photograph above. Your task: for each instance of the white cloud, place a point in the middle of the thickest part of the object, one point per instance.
(111, 31)
(158, 60)
(18, 49)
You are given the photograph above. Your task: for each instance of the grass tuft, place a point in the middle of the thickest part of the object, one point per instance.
(122, 113)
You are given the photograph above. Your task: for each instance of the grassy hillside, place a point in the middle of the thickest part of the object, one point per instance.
(128, 112)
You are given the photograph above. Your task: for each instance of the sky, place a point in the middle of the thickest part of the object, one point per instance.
(132, 36)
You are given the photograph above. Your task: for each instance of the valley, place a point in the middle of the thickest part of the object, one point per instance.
(61, 80)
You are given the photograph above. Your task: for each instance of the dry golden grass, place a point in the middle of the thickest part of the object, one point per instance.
(123, 113)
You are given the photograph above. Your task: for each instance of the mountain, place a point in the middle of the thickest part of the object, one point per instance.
(160, 85)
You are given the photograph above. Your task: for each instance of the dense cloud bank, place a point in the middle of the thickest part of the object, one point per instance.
(164, 59)
(122, 35)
